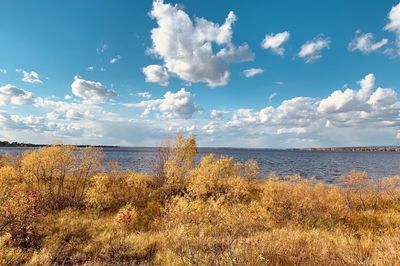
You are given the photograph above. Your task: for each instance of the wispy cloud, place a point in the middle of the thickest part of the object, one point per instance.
(311, 51)
(251, 72)
(30, 76)
(275, 42)
(102, 48)
(366, 43)
(145, 94)
(115, 59)
(272, 96)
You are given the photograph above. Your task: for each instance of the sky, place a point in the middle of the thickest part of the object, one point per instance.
(261, 74)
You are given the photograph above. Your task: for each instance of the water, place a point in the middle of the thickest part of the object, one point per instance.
(323, 165)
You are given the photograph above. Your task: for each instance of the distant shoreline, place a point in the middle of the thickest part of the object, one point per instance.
(348, 149)
(7, 144)
(366, 149)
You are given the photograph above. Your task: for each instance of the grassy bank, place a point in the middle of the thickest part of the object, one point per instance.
(59, 207)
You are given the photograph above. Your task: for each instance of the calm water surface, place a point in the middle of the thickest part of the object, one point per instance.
(323, 165)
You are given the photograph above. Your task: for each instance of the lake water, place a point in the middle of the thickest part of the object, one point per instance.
(323, 165)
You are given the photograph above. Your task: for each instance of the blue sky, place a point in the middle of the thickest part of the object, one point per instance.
(246, 74)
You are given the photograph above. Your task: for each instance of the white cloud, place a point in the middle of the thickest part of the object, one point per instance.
(145, 94)
(383, 97)
(311, 51)
(92, 91)
(3, 71)
(156, 74)
(353, 117)
(115, 59)
(366, 43)
(61, 110)
(102, 48)
(18, 123)
(217, 114)
(30, 76)
(279, 82)
(394, 23)
(67, 97)
(272, 96)
(10, 94)
(251, 72)
(173, 105)
(349, 100)
(363, 116)
(186, 46)
(275, 41)
(93, 68)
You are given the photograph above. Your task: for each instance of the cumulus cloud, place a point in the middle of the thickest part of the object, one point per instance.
(251, 72)
(92, 91)
(145, 94)
(8, 121)
(340, 114)
(366, 43)
(156, 74)
(394, 23)
(217, 114)
(10, 94)
(366, 115)
(172, 105)
(275, 42)
(115, 59)
(311, 51)
(349, 99)
(3, 71)
(30, 76)
(187, 47)
(60, 110)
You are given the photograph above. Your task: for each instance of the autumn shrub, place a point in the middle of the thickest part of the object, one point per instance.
(5, 159)
(65, 236)
(61, 174)
(197, 228)
(10, 254)
(19, 216)
(10, 181)
(222, 178)
(112, 191)
(181, 159)
(303, 202)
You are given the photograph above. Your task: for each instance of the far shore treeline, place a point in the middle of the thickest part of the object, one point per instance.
(367, 149)
(31, 145)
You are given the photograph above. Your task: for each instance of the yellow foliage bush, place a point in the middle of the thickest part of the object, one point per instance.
(61, 174)
(181, 159)
(112, 191)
